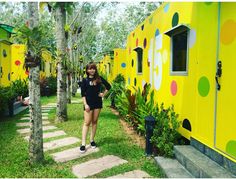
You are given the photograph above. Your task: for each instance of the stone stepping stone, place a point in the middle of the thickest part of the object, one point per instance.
(28, 115)
(76, 101)
(51, 104)
(27, 130)
(72, 154)
(47, 106)
(28, 118)
(95, 166)
(50, 134)
(24, 124)
(45, 111)
(60, 143)
(132, 174)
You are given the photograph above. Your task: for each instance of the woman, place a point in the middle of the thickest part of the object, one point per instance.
(92, 99)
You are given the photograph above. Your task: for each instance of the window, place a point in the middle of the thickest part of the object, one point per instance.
(179, 49)
(139, 59)
(179, 52)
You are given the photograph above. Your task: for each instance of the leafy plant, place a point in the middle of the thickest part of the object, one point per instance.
(48, 82)
(7, 94)
(165, 134)
(118, 85)
(32, 38)
(21, 87)
(135, 107)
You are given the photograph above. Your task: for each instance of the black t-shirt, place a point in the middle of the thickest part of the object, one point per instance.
(91, 91)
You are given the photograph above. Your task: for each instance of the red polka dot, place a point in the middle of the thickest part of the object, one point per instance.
(17, 62)
(17, 46)
(136, 42)
(27, 72)
(173, 88)
(145, 43)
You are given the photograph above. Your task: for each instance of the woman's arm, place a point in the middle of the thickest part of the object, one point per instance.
(107, 86)
(86, 106)
(83, 93)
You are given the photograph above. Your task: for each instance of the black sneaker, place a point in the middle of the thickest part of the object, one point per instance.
(82, 149)
(93, 145)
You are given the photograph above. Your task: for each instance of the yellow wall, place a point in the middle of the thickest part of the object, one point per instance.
(17, 62)
(120, 63)
(12, 65)
(5, 77)
(193, 94)
(105, 66)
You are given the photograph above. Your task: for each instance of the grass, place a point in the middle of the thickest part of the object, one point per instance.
(111, 139)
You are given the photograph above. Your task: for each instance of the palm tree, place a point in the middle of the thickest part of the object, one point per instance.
(36, 135)
(60, 19)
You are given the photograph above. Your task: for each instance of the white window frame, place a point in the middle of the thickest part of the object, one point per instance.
(179, 73)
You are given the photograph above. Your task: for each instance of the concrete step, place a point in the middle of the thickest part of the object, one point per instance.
(27, 124)
(95, 166)
(47, 135)
(27, 130)
(198, 164)
(71, 154)
(17, 105)
(172, 168)
(60, 143)
(132, 174)
(20, 109)
(44, 117)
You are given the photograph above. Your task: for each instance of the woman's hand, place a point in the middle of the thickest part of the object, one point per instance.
(87, 108)
(101, 95)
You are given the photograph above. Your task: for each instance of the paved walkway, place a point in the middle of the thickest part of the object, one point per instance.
(86, 169)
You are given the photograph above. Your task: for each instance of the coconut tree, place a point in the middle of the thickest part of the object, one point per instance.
(59, 10)
(33, 61)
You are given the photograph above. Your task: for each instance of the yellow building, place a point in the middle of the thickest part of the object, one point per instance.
(5, 62)
(119, 64)
(17, 62)
(5, 54)
(186, 51)
(105, 65)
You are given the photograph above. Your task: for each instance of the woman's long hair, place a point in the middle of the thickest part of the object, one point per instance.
(97, 78)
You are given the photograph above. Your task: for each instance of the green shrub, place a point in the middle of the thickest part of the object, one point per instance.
(118, 86)
(135, 107)
(165, 134)
(7, 94)
(51, 82)
(20, 87)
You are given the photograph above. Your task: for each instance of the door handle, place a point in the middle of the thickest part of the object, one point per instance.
(218, 74)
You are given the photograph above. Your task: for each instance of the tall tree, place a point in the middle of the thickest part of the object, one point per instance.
(36, 134)
(60, 20)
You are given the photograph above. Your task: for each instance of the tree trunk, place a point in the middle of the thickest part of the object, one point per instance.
(36, 133)
(60, 17)
(68, 81)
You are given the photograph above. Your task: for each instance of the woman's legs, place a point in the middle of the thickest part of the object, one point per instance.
(95, 115)
(87, 121)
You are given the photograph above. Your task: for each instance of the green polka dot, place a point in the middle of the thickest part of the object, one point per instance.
(203, 86)
(150, 20)
(231, 148)
(175, 19)
(208, 3)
